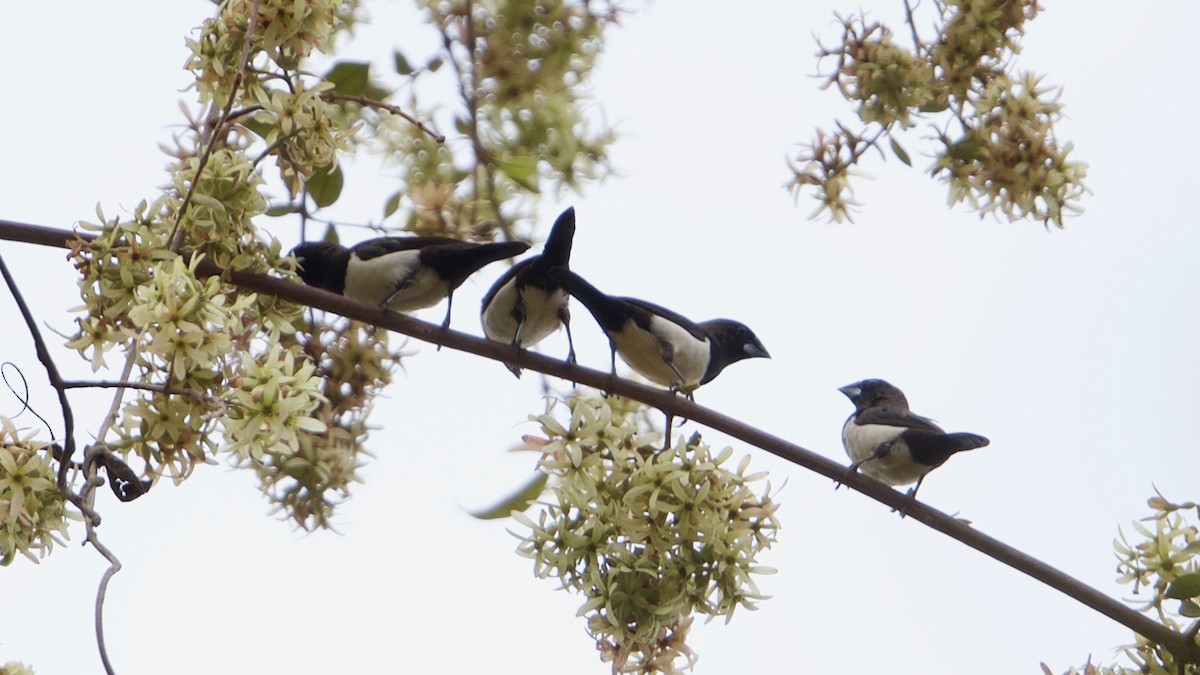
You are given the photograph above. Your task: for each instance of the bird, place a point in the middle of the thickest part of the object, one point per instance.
(525, 305)
(402, 274)
(892, 444)
(662, 346)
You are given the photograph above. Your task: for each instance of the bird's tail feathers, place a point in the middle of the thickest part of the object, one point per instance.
(576, 285)
(593, 298)
(962, 441)
(557, 251)
(934, 449)
(469, 258)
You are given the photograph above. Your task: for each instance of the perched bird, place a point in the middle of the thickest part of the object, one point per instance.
(892, 444)
(664, 347)
(525, 305)
(402, 274)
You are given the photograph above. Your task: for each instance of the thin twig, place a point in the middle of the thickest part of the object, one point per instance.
(114, 566)
(84, 502)
(56, 380)
(363, 100)
(680, 407)
(219, 126)
(483, 178)
(912, 27)
(110, 418)
(129, 384)
(1190, 635)
(23, 396)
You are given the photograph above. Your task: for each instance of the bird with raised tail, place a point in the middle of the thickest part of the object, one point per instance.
(525, 306)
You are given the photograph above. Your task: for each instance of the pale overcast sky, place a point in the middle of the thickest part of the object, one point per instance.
(1075, 351)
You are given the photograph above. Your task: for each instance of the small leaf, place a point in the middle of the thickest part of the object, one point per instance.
(350, 78)
(1189, 609)
(325, 186)
(376, 93)
(208, 202)
(276, 210)
(401, 63)
(900, 152)
(392, 204)
(434, 63)
(331, 235)
(462, 125)
(518, 501)
(1184, 586)
(522, 170)
(260, 129)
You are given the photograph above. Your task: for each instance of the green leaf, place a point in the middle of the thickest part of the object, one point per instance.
(206, 201)
(376, 93)
(1189, 609)
(401, 63)
(392, 204)
(522, 170)
(325, 186)
(1184, 587)
(261, 129)
(331, 236)
(518, 501)
(350, 78)
(900, 152)
(434, 63)
(276, 210)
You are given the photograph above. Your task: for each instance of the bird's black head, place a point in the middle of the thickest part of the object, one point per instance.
(872, 393)
(322, 264)
(732, 341)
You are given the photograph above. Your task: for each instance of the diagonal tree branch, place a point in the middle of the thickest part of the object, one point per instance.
(52, 374)
(83, 500)
(678, 406)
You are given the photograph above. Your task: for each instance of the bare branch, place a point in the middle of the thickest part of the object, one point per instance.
(114, 566)
(372, 103)
(912, 27)
(52, 374)
(219, 126)
(129, 384)
(85, 500)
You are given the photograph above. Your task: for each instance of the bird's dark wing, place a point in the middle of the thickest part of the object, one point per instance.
(373, 248)
(510, 274)
(896, 417)
(684, 322)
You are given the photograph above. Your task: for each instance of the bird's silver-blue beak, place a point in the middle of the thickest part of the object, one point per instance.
(852, 391)
(754, 349)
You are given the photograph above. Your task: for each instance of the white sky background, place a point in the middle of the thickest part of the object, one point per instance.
(1075, 351)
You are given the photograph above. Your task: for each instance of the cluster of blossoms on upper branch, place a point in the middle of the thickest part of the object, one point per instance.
(998, 150)
(222, 370)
